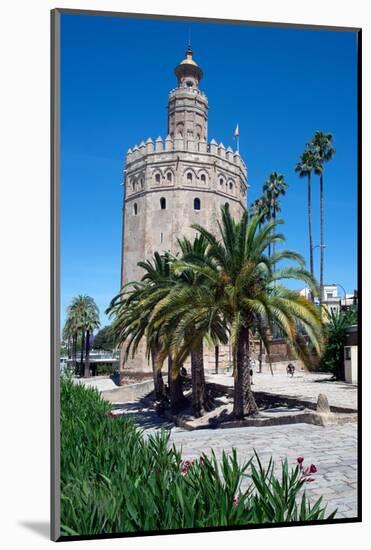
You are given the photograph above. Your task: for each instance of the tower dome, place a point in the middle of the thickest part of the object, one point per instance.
(188, 72)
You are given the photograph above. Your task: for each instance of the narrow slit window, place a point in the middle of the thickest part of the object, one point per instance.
(203, 178)
(163, 203)
(197, 204)
(135, 209)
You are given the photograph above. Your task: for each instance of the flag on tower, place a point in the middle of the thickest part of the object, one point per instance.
(237, 137)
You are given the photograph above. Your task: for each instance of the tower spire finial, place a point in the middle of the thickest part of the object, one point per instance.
(189, 48)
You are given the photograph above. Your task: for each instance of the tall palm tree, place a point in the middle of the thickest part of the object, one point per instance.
(249, 296)
(259, 207)
(85, 314)
(71, 330)
(70, 333)
(91, 323)
(306, 165)
(321, 146)
(274, 187)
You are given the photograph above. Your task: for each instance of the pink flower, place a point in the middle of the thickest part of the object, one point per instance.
(312, 469)
(185, 464)
(309, 479)
(300, 460)
(235, 502)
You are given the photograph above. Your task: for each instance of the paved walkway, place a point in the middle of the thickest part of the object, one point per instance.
(301, 385)
(332, 449)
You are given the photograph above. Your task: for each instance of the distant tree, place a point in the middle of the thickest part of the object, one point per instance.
(83, 315)
(104, 339)
(273, 189)
(321, 146)
(306, 165)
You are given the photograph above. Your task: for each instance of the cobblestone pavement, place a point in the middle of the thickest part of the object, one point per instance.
(301, 385)
(333, 449)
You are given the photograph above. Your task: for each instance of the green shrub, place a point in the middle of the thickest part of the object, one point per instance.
(335, 332)
(105, 368)
(115, 479)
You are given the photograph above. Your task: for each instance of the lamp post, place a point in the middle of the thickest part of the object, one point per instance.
(345, 294)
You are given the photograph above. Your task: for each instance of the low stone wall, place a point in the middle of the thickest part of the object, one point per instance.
(131, 392)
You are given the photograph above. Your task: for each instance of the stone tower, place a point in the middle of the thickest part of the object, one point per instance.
(181, 180)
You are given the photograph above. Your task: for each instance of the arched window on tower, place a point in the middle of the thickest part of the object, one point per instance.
(203, 178)
(163, 203)
(231, 185)
(221, 182)
(197, 204)
(169, 177)
(189, 177)
(135, 209)
(157, 178)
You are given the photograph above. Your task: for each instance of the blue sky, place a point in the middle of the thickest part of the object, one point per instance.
(280, 85)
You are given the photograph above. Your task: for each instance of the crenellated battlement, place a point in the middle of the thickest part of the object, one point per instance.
(166, 164)
(179, 144)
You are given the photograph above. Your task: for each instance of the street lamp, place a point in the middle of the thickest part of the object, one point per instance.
(345, 294)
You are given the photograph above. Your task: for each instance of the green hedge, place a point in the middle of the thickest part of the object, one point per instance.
(115, 479)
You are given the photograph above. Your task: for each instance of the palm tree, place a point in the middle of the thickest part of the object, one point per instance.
(131, 310)
(91, 323)
(85, 314)
(70, 333)
(321, 146)
(188, 316)
(273, 189)
(249, 296)
(71, 330)
(305, 167)
(260, 208)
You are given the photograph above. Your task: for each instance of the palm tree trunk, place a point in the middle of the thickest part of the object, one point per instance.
(260, 354)
(216, 359)
(87, 351)
(74, 352)
(274, 232)
(199, 396)
(269, 219)
(244, 402)
(177, 399)
(82, 353)
(321, 236)
(310, 228)
(158, 382)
